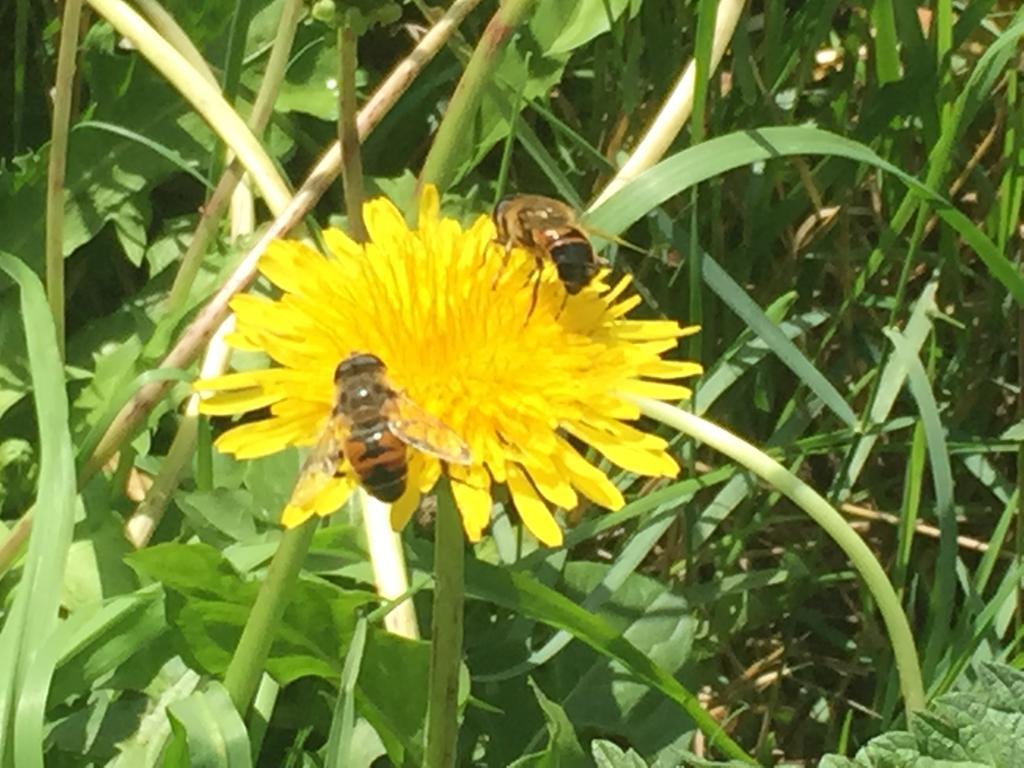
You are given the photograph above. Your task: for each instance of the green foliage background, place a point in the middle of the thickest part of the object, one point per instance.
(844, 226)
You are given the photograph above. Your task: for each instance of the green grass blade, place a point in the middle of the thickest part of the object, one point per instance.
(339, 741)
(34, 614)
(691, 166)
(943, 589)
(729, 291)
(887, 57)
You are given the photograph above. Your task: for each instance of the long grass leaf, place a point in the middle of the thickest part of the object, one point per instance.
(34, 615)
(691, 166)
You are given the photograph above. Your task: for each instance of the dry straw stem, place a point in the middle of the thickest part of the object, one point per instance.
(326, 170)
(677, 107)
(62, 96)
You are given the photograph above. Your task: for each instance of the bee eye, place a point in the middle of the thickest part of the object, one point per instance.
(339, 372)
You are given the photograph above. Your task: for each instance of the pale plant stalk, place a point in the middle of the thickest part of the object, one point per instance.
(167, 27)
(63, 92)
(832, 522)
(389, 569)
(677, 107)
(204, 98)
(139, 527)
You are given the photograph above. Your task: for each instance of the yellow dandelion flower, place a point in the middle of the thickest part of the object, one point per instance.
(452, 327)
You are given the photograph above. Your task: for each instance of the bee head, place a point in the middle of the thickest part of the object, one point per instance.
(357, 363)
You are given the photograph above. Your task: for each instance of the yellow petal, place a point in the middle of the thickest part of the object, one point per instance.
(409, 501)
(471, 487)
(341, 245)
(429, 207)
(552, 486)
(238, 401)
(261, 438)
(334, 496)
(534, 512)
(656, 390)
(404, 508)
(625, 455)
(588, 479)
(293, 516)
(670, 369)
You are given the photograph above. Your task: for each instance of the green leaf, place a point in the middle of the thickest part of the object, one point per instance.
(212, 729)
(589, 19)
(608, 754)
(34, 615)
(522, 593)
(563, 749)
(209, 602)
(980, 727)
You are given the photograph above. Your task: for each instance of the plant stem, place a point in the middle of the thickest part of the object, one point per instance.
(439, 167)
(246, 667)
(63, 95)
(677, 107)
(445, 634)
(900, 636)
(348, 132)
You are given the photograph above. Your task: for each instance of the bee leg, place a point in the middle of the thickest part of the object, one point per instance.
(504, 263)
(561, 309)
(533, 295)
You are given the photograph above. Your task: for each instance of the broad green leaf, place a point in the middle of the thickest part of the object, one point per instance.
(563, 749)
(589, 19)
(608, 754)
(212, 729)
(981, 726)
(522, 593)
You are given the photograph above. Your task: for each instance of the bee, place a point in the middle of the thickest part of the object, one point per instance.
(549, 229)
(370, 429)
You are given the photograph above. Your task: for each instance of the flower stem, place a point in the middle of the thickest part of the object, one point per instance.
(900, 636)
(348, 132)
(62, 97)
(246, 667)
(445, 634)
(439, 167)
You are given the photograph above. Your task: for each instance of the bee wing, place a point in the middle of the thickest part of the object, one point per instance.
(415, 427)
(321, 465)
